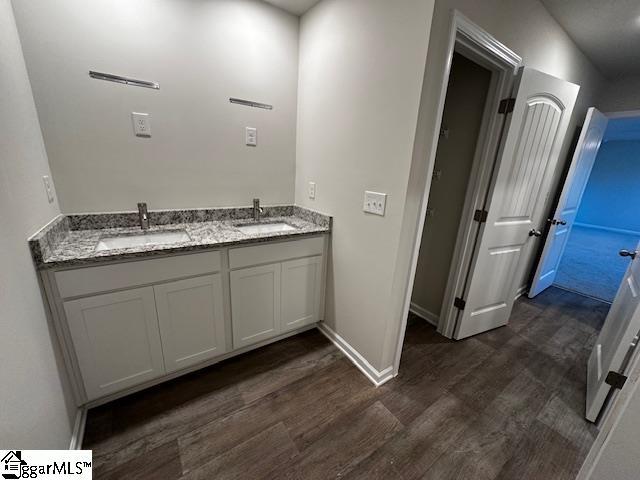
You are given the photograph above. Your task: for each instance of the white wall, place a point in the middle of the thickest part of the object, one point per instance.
(621, 95)
(524, 26)
(201, 53)
(361, 68)
(33, 412)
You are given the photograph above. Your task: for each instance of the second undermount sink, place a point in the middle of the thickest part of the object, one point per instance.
(142, 239)
(255, 228)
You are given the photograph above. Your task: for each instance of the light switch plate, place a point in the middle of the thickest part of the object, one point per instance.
(48, 188)
(312, 190)
(141, 124)
(375, 202)
(251, 136)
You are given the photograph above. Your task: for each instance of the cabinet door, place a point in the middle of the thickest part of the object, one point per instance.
(300, 292)
(191, 318)
(255, 304)
(116, 340)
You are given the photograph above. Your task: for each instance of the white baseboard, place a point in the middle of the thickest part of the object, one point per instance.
(607, 229)
(425, 314)
(521, 291)
(376, 377)
(78, 429)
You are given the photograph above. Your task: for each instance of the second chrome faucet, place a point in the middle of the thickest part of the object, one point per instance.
(143, 215)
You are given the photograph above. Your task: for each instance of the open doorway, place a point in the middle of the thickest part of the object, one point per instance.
(606, 221)
(465, 104)
(600, 185)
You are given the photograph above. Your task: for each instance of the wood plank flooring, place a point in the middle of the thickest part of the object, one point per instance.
(506, 404)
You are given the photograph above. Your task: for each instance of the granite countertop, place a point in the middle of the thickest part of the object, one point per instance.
(72, 240)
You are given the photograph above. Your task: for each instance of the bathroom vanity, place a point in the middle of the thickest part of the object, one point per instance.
(132, 309)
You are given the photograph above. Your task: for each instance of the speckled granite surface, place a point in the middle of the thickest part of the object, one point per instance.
(72, 240)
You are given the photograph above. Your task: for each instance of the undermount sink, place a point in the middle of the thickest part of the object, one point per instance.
(139, 240)
(255, 228)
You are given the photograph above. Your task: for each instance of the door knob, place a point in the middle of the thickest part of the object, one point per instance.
(627, 253)
(556, 222)
(535, 233)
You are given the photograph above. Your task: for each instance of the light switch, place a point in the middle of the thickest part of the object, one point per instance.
(312, 190)
(251, 136)
(48, 188)
(141, 124)
(375, 202)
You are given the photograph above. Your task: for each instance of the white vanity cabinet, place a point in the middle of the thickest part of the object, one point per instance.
(301, 292)
(255, 304)
(124, 326)
(275, 295)
(116, 340)
(191, 319)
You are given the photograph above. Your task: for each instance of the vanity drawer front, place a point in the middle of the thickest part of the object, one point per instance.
(90, 280)
(275, 252)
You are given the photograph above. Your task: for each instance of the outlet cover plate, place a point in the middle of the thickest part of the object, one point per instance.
(312, 190)
(251, 136)
(48, 187)
(375, 203)
(141, 124)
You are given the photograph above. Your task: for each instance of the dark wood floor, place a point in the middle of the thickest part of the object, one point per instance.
(507, 404)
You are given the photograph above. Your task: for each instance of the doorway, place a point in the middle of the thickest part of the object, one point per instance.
(606, 222)
(495, 204)
(465, 104)
(601, 186)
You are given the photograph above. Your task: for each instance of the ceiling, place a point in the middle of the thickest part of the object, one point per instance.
(625, 128)
(297, 7)
(607, 31)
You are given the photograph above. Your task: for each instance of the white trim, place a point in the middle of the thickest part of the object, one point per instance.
(77, 434)
(566, 289)
(607, 229)
(376, 377)
(424, 314)
(465, 33)
(521, 291)
(623, 114)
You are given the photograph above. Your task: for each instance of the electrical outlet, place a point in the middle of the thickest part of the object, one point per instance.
(141, 124)
(48, 188)
(312, 190)
(375, 202)
(251, 136)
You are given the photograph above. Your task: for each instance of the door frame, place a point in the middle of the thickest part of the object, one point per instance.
(478, 45)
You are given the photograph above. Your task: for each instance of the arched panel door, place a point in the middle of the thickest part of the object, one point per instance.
(565, 213)
(534, 133)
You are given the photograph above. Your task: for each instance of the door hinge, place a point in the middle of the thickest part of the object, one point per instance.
(480, 216)
(616, 380)
(459, 303)
(507, 105)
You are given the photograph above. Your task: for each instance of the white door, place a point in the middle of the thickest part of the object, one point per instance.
(565, 214)
(255, 304)
(619, 329)
(191, 318)
(116, 339)
(528, 155)
(301, 292)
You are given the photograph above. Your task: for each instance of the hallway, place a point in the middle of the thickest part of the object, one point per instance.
(502, 405)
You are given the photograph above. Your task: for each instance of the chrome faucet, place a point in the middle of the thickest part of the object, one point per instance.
(143, 215)
(257, 210)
